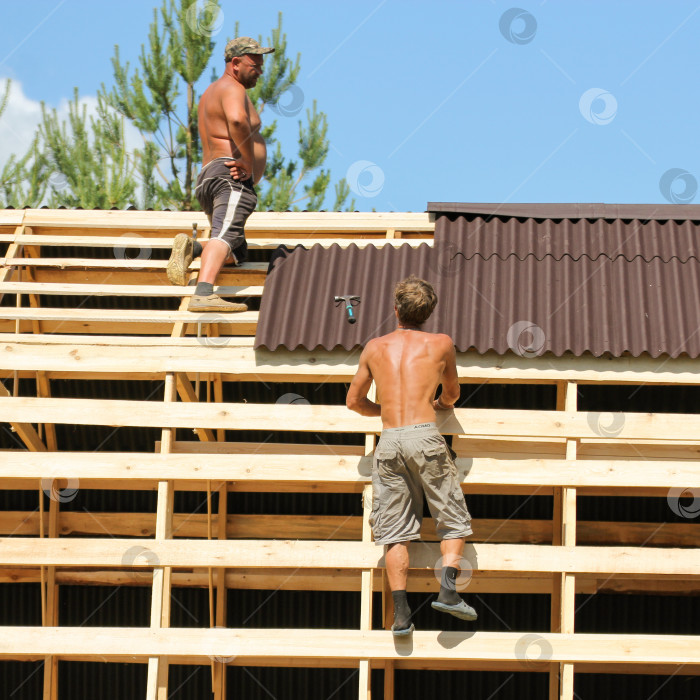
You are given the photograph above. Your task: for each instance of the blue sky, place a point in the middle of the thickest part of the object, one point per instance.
(562, 101)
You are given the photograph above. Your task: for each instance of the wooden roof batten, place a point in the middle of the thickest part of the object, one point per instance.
(49, 333)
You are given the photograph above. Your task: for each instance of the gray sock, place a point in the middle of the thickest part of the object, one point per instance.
(204, 289)
(448, 586)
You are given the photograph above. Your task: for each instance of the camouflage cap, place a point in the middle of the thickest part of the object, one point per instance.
(243, 45)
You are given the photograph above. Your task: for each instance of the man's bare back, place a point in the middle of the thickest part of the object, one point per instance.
(407, 366)
(411, 460)
(229, 124)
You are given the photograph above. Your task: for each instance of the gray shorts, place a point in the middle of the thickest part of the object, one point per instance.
(410, 462)
(228, 203)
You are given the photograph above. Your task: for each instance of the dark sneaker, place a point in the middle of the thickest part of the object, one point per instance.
(214, 303)
(180, 259)
(460, 610)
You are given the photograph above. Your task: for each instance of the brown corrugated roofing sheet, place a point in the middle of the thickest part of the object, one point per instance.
(518, 285)
(298, 307)
(504, 236)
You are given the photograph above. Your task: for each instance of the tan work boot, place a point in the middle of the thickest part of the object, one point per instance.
(180, 259)
(214, 303)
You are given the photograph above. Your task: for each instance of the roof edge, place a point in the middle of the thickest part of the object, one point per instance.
(642, 212)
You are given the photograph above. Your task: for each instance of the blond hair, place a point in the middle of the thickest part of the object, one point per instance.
(415, 300)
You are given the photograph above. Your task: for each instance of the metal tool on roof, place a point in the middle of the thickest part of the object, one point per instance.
(194, 232)
(350, 301)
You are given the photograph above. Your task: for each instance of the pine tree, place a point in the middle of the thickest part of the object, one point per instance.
(84, 162)
(23, 181)
(179, 50)
(89, 157)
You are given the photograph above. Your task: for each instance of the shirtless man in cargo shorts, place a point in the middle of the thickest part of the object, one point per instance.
(234, 157)
(411, 457)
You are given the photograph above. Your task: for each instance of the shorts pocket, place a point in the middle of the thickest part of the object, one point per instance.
(437, 454)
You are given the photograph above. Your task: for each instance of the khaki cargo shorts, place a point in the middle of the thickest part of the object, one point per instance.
(410, 462)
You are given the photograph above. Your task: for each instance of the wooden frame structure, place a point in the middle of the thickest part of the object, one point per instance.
(563, 454)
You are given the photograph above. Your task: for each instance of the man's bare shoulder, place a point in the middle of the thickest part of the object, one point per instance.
(443, 339)
(438, 341)
(225, 90)
(374, 345)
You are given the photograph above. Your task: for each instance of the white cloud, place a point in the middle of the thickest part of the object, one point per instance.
(19, 121)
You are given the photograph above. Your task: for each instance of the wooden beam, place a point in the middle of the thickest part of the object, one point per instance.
(157, 328)
(219, 663)
(561, 677)
(420, 581)
(187, 393)
(11, 217)
(320, 418)
(259, 222)
(13, 250)
(239, 321)
(246, 269)
(157, 679)
(320, 469)
(119, 290)
(342, 527)
(232, 276)
(107, 353)
(510, 558)
(25, 430)
(367, 575)
(366, 589)
(193, 447)
(43, 389)
(254, 242)
(266, 645)
(51, 619)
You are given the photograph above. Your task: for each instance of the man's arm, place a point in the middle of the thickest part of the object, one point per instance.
(450, 382)
(357, 393)
(239, 129)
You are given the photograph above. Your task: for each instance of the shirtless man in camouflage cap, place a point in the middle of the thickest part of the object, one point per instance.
(233, 157)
